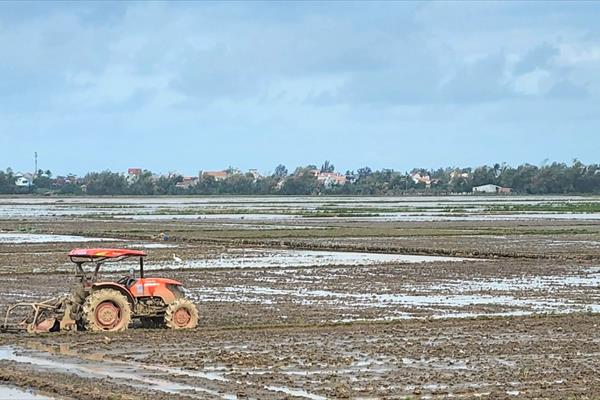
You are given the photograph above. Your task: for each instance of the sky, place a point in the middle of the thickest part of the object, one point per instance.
(195, 86)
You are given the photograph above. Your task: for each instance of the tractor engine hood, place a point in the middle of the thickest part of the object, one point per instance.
(158, 281)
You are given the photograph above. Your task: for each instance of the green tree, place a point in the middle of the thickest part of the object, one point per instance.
(303, 183)
(364, 172)
(280, 171)
(327, 167)
(143, 185)
(484, 175)
(70, 189)
(42, 180)
(106, 183)
(7, 182)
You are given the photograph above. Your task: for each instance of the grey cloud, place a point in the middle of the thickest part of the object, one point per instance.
(483, 80)
(385, 54)
(540, 57)
(400, 83)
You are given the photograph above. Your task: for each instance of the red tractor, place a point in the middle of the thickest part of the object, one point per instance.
(97, 305)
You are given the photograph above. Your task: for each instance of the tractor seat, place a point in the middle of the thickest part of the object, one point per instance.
(127, 281)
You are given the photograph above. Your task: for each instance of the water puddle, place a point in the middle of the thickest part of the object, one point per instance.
(535, 283)
(361, 300)
(132, 374)
(10, 392)
(261, 258)
(443, 216)
(295, 392)
(232, 208)
(18, 238)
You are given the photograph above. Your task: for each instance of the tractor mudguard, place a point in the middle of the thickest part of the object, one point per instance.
(115, 286)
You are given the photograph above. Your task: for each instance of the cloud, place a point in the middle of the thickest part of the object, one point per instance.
(540, 57)
(193, 53)
(236, 74)
(479, 81)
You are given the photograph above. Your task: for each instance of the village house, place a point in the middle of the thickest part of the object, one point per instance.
(329, 179)
(424, 179)
(23, 182)
(458, 174)
(217, 175)
(61, 181)
(187, 182)
(133, 174)
(23, 179)
(490, 188)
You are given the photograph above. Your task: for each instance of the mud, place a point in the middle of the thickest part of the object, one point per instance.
(541, 357)
(316, 308)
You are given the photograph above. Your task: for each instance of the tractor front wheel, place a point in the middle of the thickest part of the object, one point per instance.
(106, 310)
(181, 314)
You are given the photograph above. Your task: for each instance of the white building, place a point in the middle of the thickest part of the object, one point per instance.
(489, 188)
(329, 179)
(23, 182)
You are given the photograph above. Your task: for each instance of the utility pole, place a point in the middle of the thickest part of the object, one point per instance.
(35, 171)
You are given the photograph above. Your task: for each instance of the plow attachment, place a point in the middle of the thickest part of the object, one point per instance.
(47, 316)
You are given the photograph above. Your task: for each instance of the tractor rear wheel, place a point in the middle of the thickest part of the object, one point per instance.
(106, 310)
(181, 314)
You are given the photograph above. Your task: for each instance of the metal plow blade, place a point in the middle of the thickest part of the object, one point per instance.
(47, 316)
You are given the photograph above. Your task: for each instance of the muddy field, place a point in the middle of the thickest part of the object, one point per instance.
(319, 298)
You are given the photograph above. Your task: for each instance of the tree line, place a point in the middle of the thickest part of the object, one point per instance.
(554, 178)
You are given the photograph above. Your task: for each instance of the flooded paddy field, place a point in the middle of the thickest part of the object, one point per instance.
(319, 298)
(266, 208)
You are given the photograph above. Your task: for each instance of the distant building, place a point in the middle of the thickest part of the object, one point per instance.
(424, 179)
(458, 174)
(59, 181)
(23, 182)
(187, 182)
(490, 188)
(329, 179)
(23, 179)
(133, 174)
(217, 175)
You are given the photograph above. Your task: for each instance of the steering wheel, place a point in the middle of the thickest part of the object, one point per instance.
(126, 281)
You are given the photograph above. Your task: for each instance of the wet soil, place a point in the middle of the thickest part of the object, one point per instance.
(535, 357)
(519, 321)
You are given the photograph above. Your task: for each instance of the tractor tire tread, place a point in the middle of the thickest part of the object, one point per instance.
(99, 296)
(174, 306)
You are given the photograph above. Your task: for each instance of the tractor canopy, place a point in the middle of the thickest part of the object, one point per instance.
(100, 256)
(105, 253)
